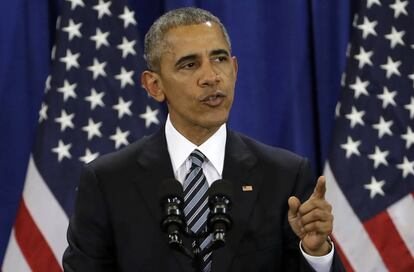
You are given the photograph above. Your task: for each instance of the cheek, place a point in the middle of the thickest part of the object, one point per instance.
(228, 71)
(184, 102)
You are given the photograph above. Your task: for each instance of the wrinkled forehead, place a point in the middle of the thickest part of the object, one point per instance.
(202, 36)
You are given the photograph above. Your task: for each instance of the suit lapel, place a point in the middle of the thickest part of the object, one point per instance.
(239, 169)
(156, 167)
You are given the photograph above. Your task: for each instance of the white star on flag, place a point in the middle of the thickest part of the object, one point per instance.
(95, 99)
(127, 47)
(71, 60)
(399, 8)
(343, 79)
(62, 150)
(100, 38)
(75, 3)
(408, 138)
(65, 120)
(128, 17)
(368, 27)
(379, 157)
(364, 57)
(89, 156)
(58, 20)
(43, 112)
(391, 67)
(411, 76)
(125, 77)
(120, 137)
(47, 84)
(338, 109)
(355, 117)
(103, 8)
(360, 87)
(123, 107)
(348, 47)
(395, 37)
(351, 147)
(93, 129)
(387, 98)
(372, 2)
(68, 90)
(383, 127)
(150, 116)
(97, 68)
(53, 52)
(410, 107)
(375, 187)
(407, 167)
(73, 30)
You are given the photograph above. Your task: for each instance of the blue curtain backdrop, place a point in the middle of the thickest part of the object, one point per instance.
(291, 55)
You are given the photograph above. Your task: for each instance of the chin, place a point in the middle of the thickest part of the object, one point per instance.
(214, 122)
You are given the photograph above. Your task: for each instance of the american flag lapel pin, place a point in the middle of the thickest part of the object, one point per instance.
(247, 188)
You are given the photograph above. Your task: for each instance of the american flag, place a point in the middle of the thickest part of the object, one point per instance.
(93, 105)
(370, 170)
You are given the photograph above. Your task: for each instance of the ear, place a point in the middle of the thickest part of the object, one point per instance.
(151, 82)
(235, 65)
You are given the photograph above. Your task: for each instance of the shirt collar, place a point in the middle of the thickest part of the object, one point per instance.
(180, 147)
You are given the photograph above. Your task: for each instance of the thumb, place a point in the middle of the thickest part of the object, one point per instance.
(294, 204)
(320, 188)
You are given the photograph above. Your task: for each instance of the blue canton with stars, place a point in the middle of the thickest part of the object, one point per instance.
(93, 102)
(373, 144)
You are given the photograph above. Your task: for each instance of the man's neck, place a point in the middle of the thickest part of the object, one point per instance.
(195, 134)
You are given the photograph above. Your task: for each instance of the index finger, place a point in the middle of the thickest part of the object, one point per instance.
(320, 188)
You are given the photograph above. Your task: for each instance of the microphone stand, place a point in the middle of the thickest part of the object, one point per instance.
(218, 221)
(196, 254)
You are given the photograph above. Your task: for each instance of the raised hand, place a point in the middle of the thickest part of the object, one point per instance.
(312, 221)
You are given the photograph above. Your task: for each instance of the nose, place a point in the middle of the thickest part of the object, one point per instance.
(209, 76)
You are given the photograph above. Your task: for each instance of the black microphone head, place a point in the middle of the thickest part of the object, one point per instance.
(221, 187)
(220, 201)
(170, 188)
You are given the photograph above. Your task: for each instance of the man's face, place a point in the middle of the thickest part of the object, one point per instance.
(197, 77)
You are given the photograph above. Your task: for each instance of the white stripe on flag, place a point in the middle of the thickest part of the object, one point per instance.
(46, 212)
(14, 259)
(349, 231)
(402, 215)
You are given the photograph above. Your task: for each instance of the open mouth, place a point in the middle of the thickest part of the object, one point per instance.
(214, 99)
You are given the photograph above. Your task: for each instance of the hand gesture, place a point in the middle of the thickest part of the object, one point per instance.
(312, 221)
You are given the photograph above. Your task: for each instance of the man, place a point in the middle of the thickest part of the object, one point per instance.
(116, 224)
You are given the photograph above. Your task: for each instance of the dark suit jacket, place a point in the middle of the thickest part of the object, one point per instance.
(116, 223)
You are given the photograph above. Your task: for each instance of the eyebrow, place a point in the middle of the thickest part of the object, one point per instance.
(219, 52)
(194, 56)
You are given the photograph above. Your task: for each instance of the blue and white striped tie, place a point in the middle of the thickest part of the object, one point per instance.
(196, 203)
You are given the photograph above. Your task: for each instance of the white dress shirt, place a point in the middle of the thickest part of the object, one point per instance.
(180, 149)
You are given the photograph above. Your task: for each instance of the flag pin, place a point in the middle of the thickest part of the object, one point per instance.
(247, 188)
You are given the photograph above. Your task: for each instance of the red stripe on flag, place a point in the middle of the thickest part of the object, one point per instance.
(389, 243)
(33, 245)
(344, 259)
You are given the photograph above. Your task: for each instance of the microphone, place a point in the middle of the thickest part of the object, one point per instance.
(219, 219)
(172, 200)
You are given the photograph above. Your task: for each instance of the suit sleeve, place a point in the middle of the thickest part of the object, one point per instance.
(89, 234)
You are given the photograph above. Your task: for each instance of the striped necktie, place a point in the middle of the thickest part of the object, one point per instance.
(196, 203)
